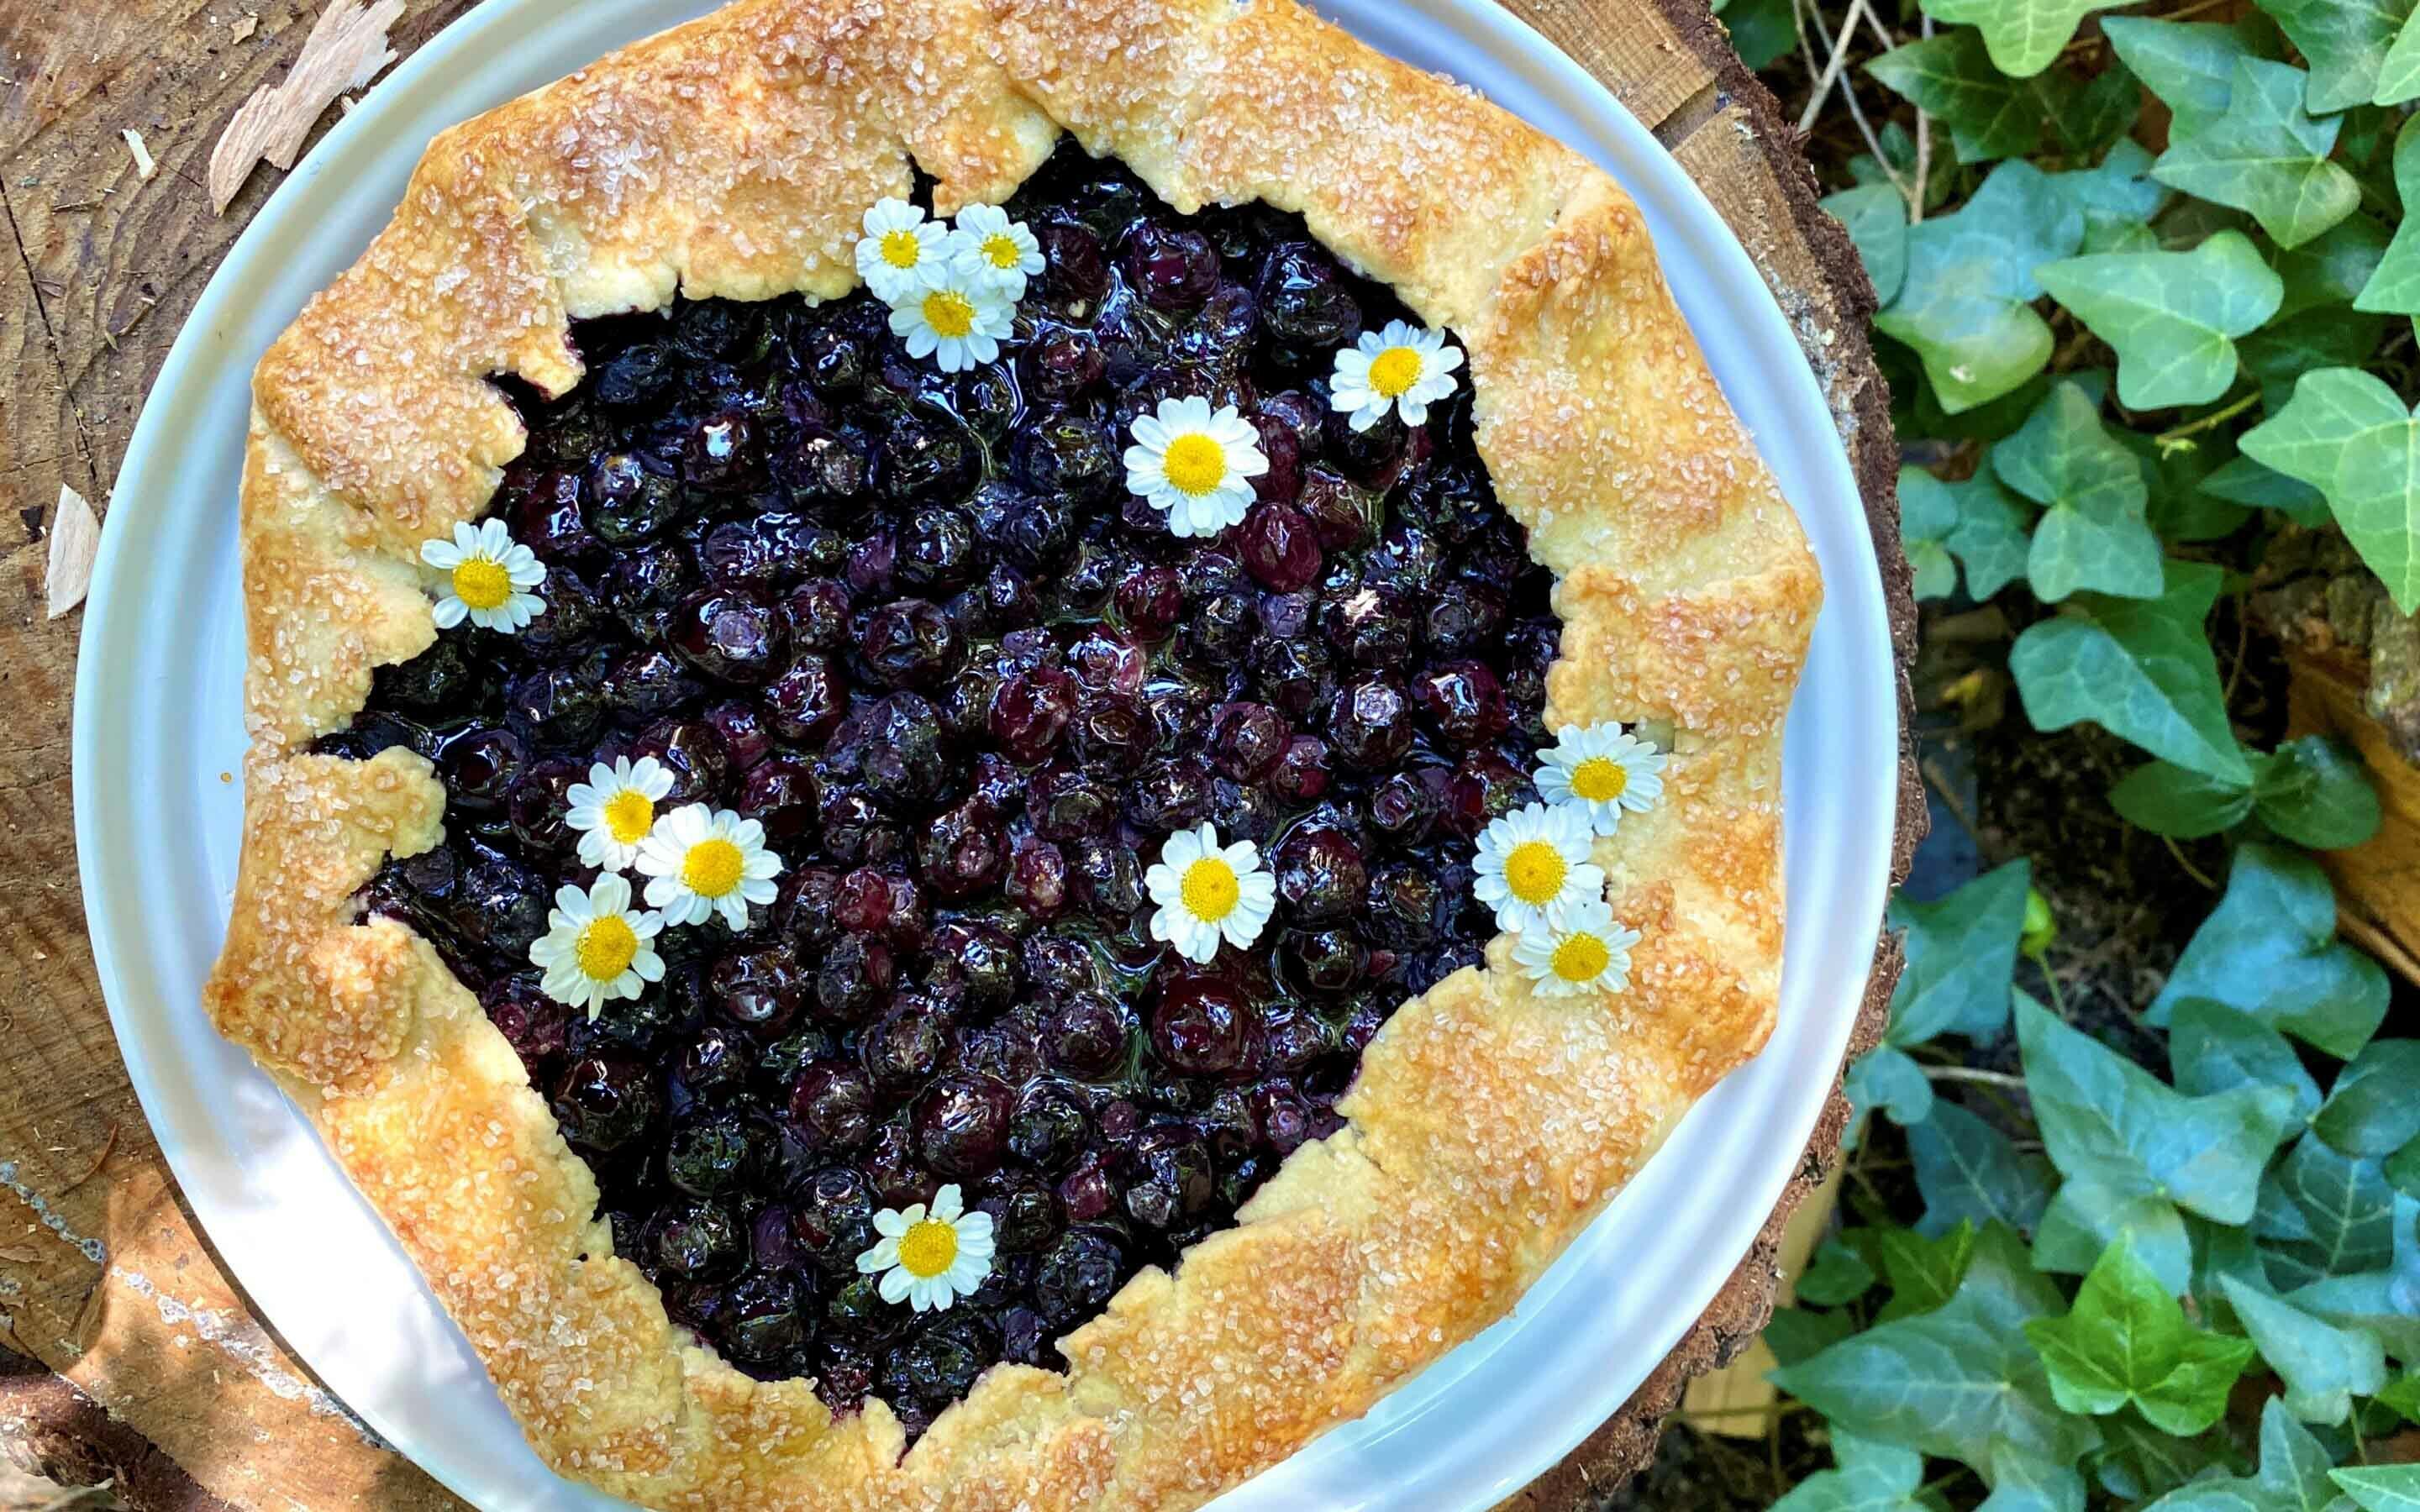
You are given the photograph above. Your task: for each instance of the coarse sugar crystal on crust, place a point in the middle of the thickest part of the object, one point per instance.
(732, 157)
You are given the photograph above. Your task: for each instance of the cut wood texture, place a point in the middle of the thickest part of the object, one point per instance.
(2378, 882)
(135, 1355)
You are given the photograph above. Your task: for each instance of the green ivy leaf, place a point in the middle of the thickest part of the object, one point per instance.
(2293, 1475)
(2214, 1048)
(2099, 114)
(2138, 1461)
(1795, 1335)
(2315, 793)
(2169, 799)
(2087, 1215)
(1883, 1080)
(2171, 315)
(2403, 1169)
(1969, 1172)
(1836, 1277)
(2094, 535)
(1993, 535)
(1952, 78)
(1760, 30)
(2403, 1395)
(2242, 480)
(2266, 156)
(2380, 1488)
(2141, 668)
(2323, 1366)
(1961, 949)
(2330, 269)
(2345, 41)
(1875, 216)
(2393, 286)
(2347, 435)
(2023, 1482)
(1923, 1273)
(1928, 512)
(1965, 305)
(2126, 1340)
(2108, 1120)
(2119, 197)
(2279, 353)
(2023, 36)
(1960, 1381)
(2345, 1209)
(2188, 64)
(2269, 949)
(1871, 1478)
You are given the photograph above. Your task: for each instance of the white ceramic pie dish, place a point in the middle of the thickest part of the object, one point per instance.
(159, 737)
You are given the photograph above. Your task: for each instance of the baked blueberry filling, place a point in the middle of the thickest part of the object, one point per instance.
(915, 625)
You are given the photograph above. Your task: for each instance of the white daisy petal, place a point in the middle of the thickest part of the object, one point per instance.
(1208, 892)
(1587, 953)
(902, 250)
(1601, 772)
(1193, 465)
(1532, 867)
(484, 577)
(597, 948)
(1399, 368)
(701, 862)
(930, 1259)
(954, 319)
(988, 247)
(615, 809)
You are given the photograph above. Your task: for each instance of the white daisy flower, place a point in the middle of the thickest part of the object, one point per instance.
(699, 861)
(1195, 467)
(1533, 867)
(1206, 893)
(488, 577)
(616, 809)
(957, 322)
(1589, 953)
(595, 947)
(1399, 368)
(929, 1259)
(988, 247)
(901, 251)
(1602, 771)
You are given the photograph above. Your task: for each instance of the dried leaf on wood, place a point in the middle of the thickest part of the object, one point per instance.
(76, 537)
(346, 50)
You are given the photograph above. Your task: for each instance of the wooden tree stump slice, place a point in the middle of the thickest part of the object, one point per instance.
(126, 1350)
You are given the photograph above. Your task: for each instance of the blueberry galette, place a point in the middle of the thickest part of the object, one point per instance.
(1001, 746)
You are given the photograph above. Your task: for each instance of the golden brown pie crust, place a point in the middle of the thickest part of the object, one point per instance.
(732, 157)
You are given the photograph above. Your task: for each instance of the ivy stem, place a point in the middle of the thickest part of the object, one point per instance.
(2208, 422)
(1971, 1073)
(2050, 980)
(2192, 871)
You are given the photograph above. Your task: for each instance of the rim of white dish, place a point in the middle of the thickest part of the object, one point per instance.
(1475, 1426)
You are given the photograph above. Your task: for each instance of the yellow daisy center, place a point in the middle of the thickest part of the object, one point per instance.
(950, 312)
(928, 1248)
(1000, 249)
(480, 583)
(1581, 958)
(1599, 780)
(901, 249)
(712, 868)
(1210, 889)
(1394, 370)
(1195, 464)
(629, 815)
(607, 946)
(1534, 870)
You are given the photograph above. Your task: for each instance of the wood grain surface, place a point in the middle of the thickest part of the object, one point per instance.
(127, 1353)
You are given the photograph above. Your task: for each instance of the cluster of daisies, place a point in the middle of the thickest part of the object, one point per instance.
(1533, 870)
(953, 292)
(699, 862)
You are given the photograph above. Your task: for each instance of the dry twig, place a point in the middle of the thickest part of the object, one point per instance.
(346, 50)
(143, 166)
